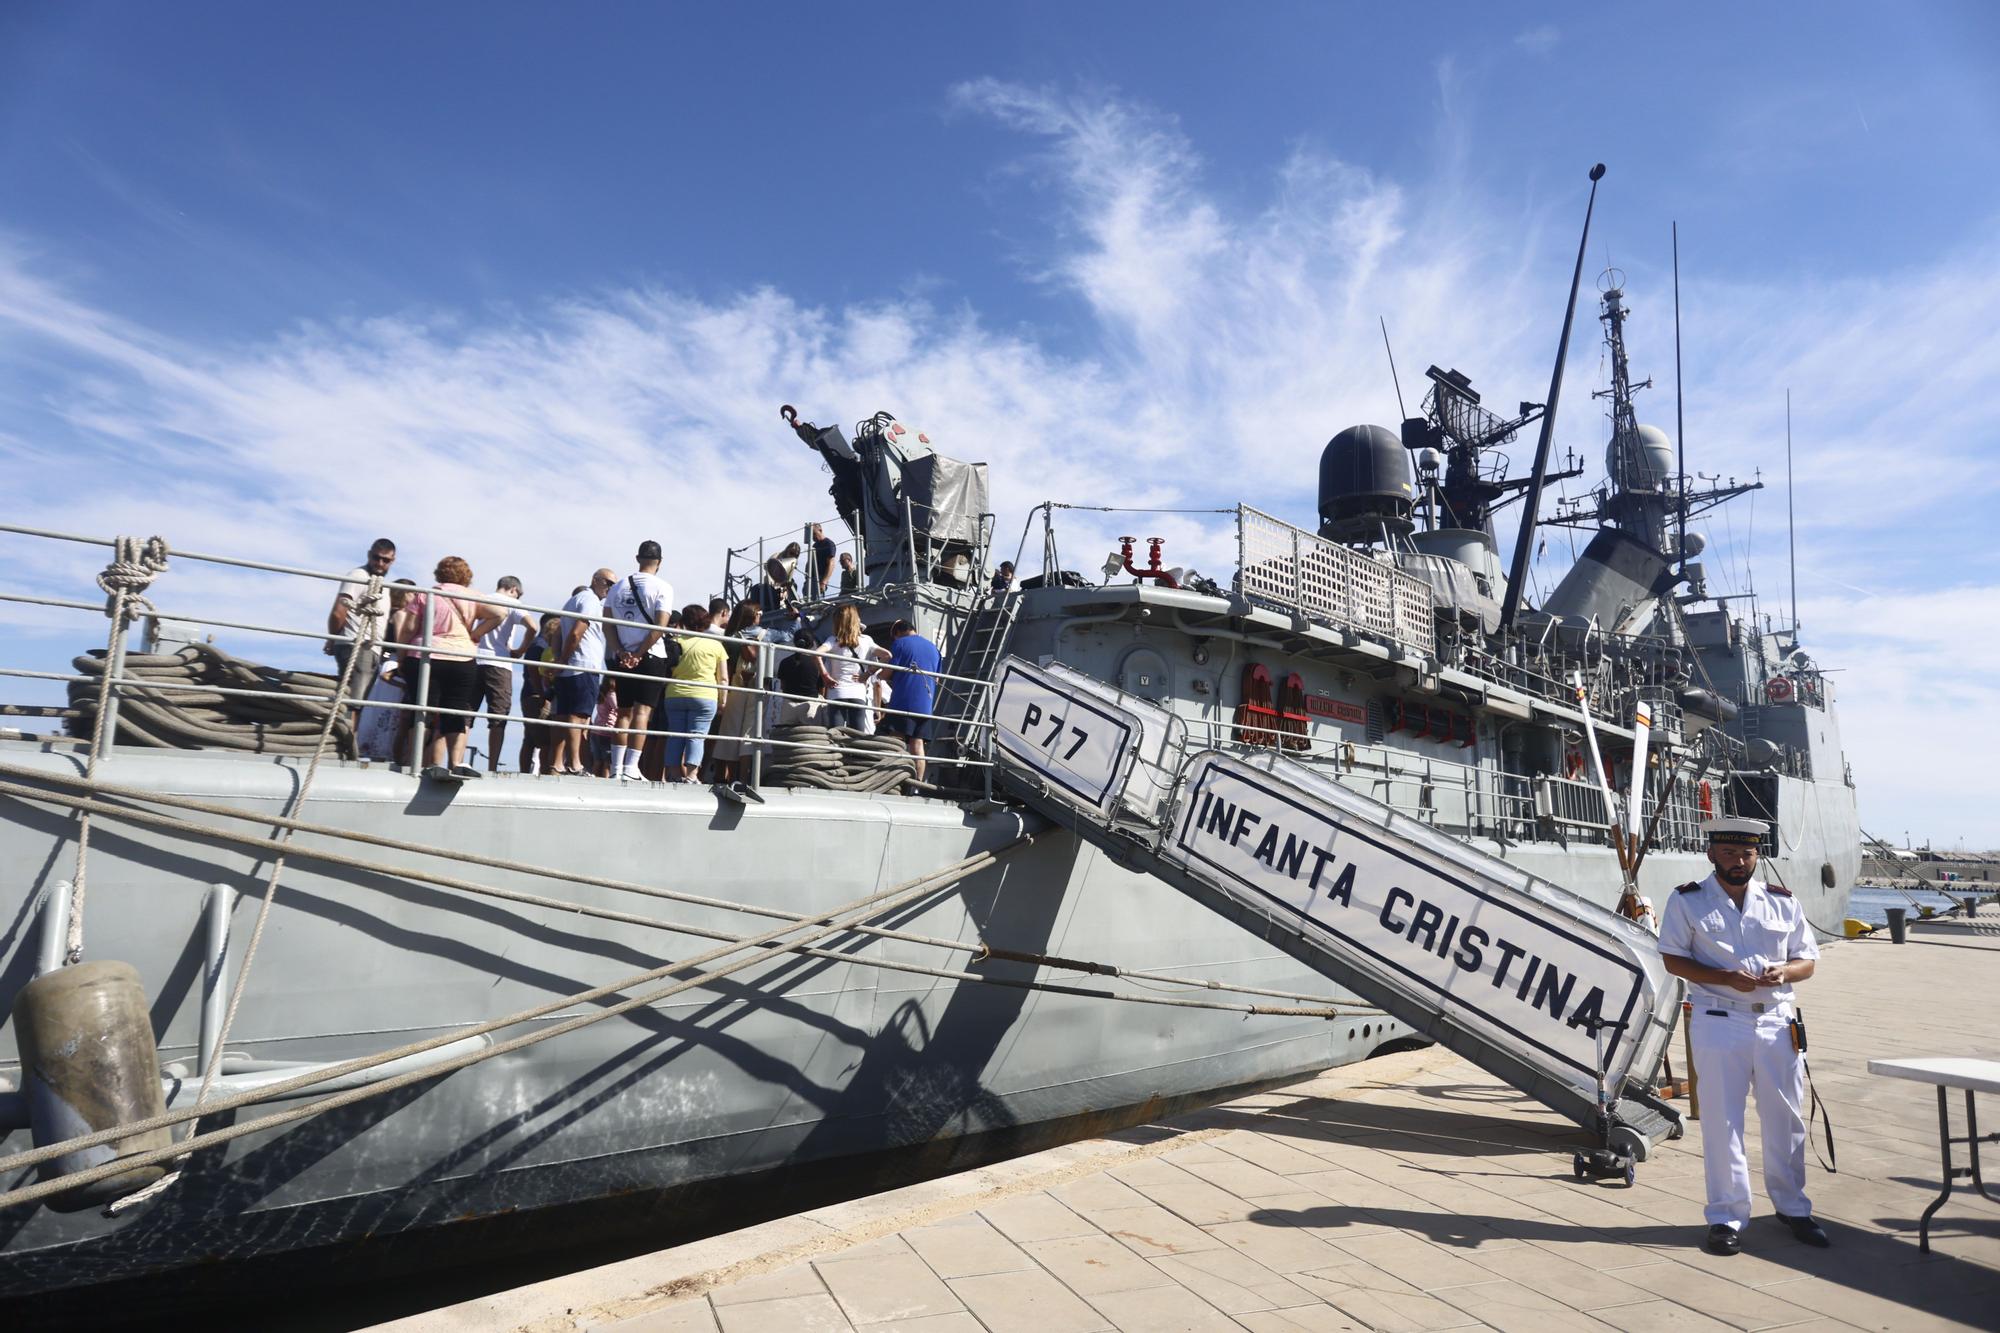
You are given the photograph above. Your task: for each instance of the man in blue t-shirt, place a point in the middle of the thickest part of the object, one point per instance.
(912, 694)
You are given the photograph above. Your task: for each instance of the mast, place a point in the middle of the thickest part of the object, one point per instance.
(1680, 424)
(1518, 576)
(1791, 529)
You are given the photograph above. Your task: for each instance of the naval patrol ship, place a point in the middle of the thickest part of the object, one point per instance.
(409, 1007)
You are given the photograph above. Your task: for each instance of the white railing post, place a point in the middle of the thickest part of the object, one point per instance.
(423, 689)
(760, 703)
(215, 969)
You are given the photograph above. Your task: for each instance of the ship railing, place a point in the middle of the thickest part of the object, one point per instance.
(1289, 569)
(1466, 799)
(1459, 798)
(743, 566)
(121, 684)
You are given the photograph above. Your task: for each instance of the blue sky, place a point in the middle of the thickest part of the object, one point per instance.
(556, 266)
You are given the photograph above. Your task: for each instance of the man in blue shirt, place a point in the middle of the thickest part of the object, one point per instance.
(912, 694)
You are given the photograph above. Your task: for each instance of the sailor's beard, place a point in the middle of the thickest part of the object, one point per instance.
(1736, 877)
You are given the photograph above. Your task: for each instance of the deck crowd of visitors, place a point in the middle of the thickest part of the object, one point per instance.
(687, 702)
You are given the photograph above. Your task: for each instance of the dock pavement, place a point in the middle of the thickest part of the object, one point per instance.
(1410, 1192)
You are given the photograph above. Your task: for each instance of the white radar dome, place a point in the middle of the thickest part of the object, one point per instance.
(1653, 460)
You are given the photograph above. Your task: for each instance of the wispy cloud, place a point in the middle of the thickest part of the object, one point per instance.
(1232, 338)
(1538, 41)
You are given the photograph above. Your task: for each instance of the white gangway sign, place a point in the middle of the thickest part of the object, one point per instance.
(1526, 964)
(1544, 983)
(1092, 746)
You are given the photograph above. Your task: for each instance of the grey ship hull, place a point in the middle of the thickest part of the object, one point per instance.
(803, 1063)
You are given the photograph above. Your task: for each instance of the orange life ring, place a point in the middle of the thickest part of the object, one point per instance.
(1778, 689)
(1704, 795)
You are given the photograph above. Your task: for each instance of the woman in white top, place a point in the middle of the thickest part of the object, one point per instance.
(847, 671)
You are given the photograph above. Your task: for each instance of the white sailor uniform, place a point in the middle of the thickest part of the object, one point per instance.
(1742, 1039)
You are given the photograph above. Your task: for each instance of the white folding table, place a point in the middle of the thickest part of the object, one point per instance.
(1947, 1072)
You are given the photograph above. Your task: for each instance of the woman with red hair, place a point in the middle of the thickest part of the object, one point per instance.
(456, 625)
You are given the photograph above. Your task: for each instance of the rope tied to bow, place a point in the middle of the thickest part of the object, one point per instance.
(134, 565)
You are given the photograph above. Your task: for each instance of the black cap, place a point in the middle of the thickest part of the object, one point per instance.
(648, 552)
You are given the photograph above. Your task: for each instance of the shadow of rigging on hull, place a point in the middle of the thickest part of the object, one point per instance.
(211, 1213)
(454, 909)
(921, 1077)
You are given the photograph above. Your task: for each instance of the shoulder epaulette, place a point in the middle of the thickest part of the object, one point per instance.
(1774, 889)
(1692, 887)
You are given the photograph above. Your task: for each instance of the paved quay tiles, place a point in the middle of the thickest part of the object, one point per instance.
(1412, 1192)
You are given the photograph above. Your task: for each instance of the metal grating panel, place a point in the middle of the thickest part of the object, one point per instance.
(1289, 569)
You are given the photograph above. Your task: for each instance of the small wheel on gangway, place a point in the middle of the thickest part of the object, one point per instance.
(1578, 1165)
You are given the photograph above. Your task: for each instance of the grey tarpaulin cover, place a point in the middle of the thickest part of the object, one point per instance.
(946, 496)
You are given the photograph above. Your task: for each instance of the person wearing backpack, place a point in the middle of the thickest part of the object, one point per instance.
(645, 597)
(456, 626)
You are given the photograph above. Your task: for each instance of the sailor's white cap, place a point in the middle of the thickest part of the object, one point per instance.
(1735, 832)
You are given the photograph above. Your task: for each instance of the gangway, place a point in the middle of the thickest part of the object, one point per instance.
(1562, 999)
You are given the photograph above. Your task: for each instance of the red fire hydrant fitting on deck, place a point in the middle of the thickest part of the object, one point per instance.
(1153, 570)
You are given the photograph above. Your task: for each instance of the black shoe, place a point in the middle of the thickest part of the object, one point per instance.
(1806, 1231)
(438, 773)
(464, 771)
(1722, 1239)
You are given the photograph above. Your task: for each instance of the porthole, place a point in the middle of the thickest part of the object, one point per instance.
(1366, 1031)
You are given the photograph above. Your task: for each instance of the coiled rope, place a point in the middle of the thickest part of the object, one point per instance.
(838, 759)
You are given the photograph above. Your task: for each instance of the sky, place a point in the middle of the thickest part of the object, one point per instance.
(528, 283)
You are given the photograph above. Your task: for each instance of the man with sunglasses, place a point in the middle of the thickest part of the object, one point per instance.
(349, 627)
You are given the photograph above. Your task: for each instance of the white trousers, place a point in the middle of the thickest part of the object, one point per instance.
(1733, 1054)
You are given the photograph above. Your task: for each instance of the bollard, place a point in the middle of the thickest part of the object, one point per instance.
(1898, 929)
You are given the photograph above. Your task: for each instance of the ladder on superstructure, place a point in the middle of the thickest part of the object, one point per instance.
(980, 644)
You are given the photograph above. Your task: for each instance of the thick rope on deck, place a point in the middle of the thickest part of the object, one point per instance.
(838, 759)
(286, 721)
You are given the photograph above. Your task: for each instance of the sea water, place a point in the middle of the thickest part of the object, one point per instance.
(1872, 904)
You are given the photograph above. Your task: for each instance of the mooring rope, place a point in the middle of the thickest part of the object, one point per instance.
(134, 565)
(368, 604)
(765, 947)
(981, 949)
(1316, 1007)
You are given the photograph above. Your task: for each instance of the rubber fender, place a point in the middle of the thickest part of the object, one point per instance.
(88, 1062)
